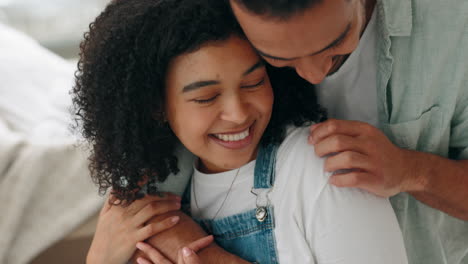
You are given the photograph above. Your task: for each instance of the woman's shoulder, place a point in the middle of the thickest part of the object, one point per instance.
(295, 150)
(297, 165)
(295, 137)
(331, 218)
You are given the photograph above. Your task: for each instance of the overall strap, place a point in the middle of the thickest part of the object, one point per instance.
(264, 175)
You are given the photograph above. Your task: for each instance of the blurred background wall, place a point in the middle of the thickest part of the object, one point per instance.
(57, 24)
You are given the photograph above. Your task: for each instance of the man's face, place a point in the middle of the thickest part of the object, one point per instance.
(314, 42)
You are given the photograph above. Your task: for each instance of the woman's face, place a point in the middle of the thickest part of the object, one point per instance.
(219, 102)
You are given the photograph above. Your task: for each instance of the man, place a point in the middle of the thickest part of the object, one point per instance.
(407, 78)
(398, 68)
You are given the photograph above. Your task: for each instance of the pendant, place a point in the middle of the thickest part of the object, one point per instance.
(261, 214)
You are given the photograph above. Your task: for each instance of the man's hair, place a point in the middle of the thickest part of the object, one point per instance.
(281, 9)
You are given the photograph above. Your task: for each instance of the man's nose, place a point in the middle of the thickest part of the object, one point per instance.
(312, 70)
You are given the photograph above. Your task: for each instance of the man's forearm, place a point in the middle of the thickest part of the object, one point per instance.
(440, 183)
(186, 231)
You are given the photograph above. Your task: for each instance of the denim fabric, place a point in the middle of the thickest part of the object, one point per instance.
(242, 234)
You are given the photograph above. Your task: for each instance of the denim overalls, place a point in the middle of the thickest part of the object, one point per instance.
(249, 235)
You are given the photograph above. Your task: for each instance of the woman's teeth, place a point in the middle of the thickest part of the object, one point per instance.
(233, 137)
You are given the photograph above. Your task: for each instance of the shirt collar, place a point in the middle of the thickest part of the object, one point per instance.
(397, 16)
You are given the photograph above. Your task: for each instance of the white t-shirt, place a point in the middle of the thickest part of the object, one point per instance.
(315, 221)
(351, 92)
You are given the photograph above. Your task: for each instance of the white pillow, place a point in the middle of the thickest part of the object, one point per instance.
(34, 86)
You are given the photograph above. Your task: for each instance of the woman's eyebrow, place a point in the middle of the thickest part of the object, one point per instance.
(198, 85)
(257, 65)
(201, 84)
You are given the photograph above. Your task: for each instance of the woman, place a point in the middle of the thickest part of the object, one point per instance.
(156, 73)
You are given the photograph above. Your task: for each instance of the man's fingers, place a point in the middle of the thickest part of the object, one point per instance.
(153, 254)
(154, 228)
(201, 243)
(339, 143)
(347, 160)
(350, 179)
(357, 179)
(154, 209)
(333, 126)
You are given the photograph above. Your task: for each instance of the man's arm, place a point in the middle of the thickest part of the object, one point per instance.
(443, 184)
(375, 164)
(185, 232)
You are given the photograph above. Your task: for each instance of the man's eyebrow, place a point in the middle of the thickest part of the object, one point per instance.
(200, 84)
(332, 44)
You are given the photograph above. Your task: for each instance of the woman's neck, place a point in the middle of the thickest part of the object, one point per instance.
(208, 167)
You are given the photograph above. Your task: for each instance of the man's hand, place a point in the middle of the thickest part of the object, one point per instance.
(365, 158)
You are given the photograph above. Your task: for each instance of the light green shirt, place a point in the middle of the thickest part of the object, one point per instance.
(422, 82)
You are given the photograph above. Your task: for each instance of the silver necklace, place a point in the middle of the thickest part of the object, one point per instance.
(225, 198)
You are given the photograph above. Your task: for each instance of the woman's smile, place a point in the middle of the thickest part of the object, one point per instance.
(234, 140)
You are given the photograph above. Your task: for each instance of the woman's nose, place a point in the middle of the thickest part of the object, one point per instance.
(235, 110)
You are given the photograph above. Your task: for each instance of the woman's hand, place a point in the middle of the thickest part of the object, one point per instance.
(186, 255)
(120, 228)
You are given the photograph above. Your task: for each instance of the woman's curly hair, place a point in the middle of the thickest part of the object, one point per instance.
(118, 96)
